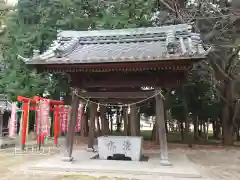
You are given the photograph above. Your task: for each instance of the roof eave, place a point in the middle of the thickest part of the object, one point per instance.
(64, 61)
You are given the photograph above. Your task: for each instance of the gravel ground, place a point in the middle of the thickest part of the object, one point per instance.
(10, 163)
(213, 164)
(217, 164)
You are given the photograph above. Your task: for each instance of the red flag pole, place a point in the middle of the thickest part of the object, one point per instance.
(24, 123)
(56, 125)
(26, 107)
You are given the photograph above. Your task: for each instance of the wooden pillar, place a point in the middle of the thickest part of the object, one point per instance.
(138, 124)
(111, 123)
(104, 121)
(92, 113)
(118, 118)
(86, 124)
(83, 121)
(56, 125)
(155, 133)
(162, 130)
(1, 123)
(128, 123)
(133, 116)
(71, 127)
(97, 119)
(125, 122)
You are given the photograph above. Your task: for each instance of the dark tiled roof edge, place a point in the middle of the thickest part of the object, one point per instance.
(68, 41)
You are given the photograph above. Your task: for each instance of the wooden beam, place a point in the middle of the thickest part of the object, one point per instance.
(117, 95)
(162, 79)
(118, 102)
(181, 63)
(127, 80)
(116, 84)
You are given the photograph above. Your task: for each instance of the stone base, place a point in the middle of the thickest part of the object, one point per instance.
(165, 162)
(67, 159)
(151, 169)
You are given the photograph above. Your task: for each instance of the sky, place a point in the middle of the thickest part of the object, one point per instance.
(12, 2)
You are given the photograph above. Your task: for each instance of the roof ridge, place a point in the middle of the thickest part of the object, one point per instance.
(111, 45)
(124, 32)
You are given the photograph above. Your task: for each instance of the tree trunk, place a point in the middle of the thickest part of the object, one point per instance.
(99, 132)
(195, 123)
(133, 118)
(166, 126)
(107, 125)
(118, 123)
(186, 127)
(207, 129)
(129, 125)
(218, 128)
(111, 123)
(204, 130)
(201, 128)
(93, 113)
(83, 126)
(1, 124)
(86, 124)
(138, 124)
(214, 126)
(228, 114)
(182, 130)
(121, 120)
(104, 121)
(125, 122)
(238, 133)
(155, 134)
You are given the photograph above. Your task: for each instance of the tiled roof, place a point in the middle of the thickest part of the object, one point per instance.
(123, 45)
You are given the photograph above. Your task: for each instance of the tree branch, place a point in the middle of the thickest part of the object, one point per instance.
(167, 5)
(219, 72)
(231, 59)
(178, 13)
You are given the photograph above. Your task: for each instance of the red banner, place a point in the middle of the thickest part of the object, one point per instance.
(45, 123)
(79, 118)
(64, 116)
(13, 121)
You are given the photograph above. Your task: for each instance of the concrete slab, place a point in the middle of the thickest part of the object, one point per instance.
(83, 163)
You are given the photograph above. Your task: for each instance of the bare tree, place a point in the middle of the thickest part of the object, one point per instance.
(218, 22)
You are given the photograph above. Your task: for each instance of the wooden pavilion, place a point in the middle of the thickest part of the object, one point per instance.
(5, 112)
(113, 66)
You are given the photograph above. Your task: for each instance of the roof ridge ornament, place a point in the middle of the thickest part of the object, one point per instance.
(171, 43)
(23, 58)
(183, 47)
(66, 47)
(36, 53)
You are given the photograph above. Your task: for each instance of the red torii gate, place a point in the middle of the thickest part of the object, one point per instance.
(28, 102)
